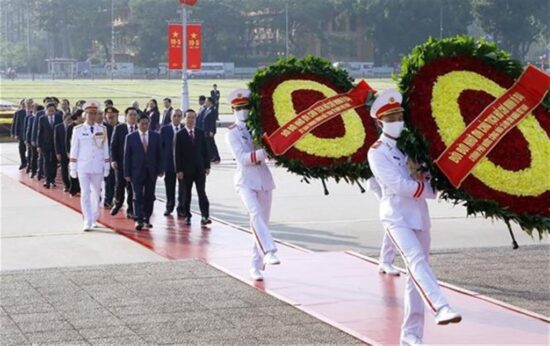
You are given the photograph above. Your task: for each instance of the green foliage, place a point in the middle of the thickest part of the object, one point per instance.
(416, 145)
(348, 171)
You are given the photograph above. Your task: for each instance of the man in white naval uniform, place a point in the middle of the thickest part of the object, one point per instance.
(89, 161)
(405, 217)
(254, 183)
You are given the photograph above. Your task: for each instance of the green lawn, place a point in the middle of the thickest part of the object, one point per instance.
(122, 92)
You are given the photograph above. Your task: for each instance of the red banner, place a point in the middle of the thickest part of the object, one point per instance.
(319, 113)
(194, 44)
(188, 2)
(491, 125)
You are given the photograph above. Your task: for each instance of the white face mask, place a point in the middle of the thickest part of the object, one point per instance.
(393, 129)
(242, 114)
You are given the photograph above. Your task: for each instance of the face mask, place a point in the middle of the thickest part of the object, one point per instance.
(242, 114)
(394, 129)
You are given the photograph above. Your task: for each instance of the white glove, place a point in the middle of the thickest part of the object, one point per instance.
(72, 173)
(106, 170)
(261, 155)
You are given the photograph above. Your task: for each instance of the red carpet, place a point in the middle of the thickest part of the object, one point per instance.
(339, 288)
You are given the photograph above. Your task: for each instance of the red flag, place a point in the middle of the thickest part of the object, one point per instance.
(188, 2)
(194, 45)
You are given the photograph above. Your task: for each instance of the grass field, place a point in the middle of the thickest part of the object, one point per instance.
(123, 92)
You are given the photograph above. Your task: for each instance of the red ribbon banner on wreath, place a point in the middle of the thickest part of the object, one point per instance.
(492, 124)
(317, 114)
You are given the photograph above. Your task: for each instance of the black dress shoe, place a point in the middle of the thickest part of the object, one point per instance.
(180, 214)
(107, 205)
(23, 166)
(115, 210)
(139, 226)
(187, 220)
(46, 185)
(40, 177)
(33, 175)
(66, 189)
(148, 224)
(205, 221)
(167, 213)
(130, 214)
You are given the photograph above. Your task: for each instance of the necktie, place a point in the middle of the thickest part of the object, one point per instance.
(51, 121)
(131, 128)
(192, 136)
(144, 141)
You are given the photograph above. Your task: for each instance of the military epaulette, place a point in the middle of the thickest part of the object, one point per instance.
(77, 126)
(376, 144)
(232, 126)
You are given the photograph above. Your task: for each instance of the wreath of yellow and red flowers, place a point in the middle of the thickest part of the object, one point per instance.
(336, 149)
(446, 84)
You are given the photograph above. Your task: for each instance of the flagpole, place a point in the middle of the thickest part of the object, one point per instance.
(184, 86)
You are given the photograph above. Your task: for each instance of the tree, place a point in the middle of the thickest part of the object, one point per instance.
(514, 25)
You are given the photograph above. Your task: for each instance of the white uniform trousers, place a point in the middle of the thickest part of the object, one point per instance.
(414, 246)
(387, 251)
(258, 204)
(90, 196)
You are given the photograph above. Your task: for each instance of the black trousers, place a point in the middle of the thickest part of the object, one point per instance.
(65, 171)
(22, 152)
(40, 165)
(144, 198)
(75, 186)
(170, 181)
(32, 159)
(212, 148)
(200, 181)
(50, 165)
(110, 183)
(121, 185)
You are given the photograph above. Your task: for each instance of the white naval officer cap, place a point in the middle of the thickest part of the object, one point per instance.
(388, 102)
(239, 97)
(91, 104)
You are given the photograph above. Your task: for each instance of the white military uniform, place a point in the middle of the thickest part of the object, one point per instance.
(254, 184)
(89, 161)
(405, 217)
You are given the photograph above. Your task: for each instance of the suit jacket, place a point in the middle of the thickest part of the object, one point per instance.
(34, 130)
(137, 162)
(191, 158)
(215, 94)
(117, 143)
(18, 124)
(154, 120)
(167, 146)
(69, 136)
(166, 116)
(200, 118)
(46, 132)
(210, 117)
(60, 140)
(29, 121)
(110, 128)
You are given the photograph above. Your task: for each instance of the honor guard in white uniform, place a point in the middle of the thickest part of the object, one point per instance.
(89, 161)
(405, 217)
(254, 183)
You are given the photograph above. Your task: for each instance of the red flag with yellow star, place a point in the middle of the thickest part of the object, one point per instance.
(194, 45)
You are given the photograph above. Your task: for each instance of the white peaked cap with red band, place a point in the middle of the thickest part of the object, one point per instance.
(239, 97)
(388, 102)
(91, 104)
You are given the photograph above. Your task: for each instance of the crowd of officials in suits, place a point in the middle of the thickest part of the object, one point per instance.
(44, 133)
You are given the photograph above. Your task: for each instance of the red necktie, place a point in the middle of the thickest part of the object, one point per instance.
(192, 136)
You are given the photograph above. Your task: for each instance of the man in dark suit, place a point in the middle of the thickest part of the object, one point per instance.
(32, 154)
(167, 136)
(167, 115)
(192, 166)
(61, 153)
(215, 95)
(110, 121)
(200, 113)
(45, 142)
(210, 125)
(77, 119)
(142, 165)
(117, 162)
(18, 129)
